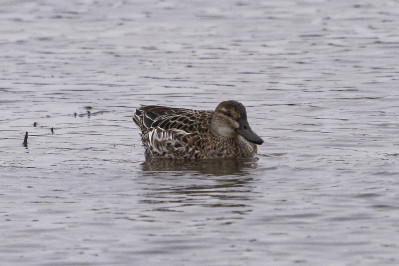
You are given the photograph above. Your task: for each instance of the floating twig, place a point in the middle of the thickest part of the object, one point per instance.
(26, 140)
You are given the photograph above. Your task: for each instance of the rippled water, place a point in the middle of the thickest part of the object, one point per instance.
(320, 83)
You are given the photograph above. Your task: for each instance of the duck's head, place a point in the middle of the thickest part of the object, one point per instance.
(230, 120)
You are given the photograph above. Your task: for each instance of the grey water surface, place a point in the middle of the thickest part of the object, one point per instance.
(320, 82)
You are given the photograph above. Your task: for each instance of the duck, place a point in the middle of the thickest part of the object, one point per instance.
(180, 133)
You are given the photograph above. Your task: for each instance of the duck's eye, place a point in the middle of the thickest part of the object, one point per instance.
(228, 114)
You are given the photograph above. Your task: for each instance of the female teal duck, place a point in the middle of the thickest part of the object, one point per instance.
(183, 133)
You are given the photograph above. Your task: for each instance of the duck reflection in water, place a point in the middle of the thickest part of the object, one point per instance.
(170, 185)
(219, 167)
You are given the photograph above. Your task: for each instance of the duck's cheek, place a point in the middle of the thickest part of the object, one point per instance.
(226, 132)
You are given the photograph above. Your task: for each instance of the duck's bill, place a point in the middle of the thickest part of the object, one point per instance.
(245, 131)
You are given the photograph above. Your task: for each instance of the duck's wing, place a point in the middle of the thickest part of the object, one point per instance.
(166, 118)
(165, 143)
(170, 132)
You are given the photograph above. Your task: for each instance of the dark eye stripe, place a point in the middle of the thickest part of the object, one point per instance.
(227, 114)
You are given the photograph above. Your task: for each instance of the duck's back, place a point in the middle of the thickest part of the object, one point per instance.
(170, 132)
(167, 118)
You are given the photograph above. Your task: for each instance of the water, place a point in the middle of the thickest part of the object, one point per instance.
(320, 83)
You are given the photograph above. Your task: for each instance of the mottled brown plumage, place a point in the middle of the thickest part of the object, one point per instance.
(184, 133)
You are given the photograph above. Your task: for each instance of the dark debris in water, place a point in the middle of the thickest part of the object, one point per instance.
(25, 143)
(89, 113)
(35, 124)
